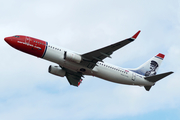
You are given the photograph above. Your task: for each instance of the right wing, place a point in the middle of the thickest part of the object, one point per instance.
(91, 58)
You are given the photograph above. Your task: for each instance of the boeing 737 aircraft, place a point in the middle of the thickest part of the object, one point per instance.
(74, 66)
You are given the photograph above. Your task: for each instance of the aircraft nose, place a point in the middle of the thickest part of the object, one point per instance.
(7, 39)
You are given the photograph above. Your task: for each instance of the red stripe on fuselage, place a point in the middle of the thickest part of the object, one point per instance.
(28, 45)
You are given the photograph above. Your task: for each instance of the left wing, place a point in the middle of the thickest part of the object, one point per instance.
(74, 78)
(90, 59)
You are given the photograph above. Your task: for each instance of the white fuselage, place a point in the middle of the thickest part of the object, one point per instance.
(101, 70)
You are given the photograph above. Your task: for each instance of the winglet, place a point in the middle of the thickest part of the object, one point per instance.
(135, 36)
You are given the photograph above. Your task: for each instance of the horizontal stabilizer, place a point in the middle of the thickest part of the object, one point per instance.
(156, 78)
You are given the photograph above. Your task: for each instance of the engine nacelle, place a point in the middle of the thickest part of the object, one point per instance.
(56, 70)
(72, 57)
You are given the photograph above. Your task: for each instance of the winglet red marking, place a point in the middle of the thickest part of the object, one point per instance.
(160, 55)
(135, 36)
(79, 82)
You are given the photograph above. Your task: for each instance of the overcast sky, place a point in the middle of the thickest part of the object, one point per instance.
(29, 92)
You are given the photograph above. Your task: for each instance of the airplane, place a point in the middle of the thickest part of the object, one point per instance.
(74, 66)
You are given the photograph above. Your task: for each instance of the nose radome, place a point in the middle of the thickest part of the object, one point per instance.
(7, 39)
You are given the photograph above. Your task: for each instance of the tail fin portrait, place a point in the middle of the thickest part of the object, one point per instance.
(150, 67)
(149, 70)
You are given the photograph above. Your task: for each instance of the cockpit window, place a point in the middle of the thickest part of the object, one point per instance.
(16, 36)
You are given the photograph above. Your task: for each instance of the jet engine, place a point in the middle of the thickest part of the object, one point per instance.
(72, 57)
(56, 70)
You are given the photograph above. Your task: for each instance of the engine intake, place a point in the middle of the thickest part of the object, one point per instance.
(72, 57)
(56, 70)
